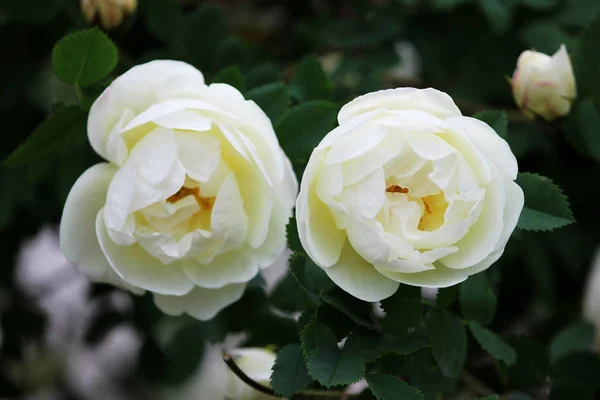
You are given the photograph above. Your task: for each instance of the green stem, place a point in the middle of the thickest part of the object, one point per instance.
(78, 92)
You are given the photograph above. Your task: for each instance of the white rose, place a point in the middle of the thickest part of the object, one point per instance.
(407, 190)
(194, 199)
(544, 85)
(110, 12)
(591, 298)
(214, 380)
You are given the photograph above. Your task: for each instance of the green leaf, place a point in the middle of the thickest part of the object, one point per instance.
(263, 74)
(315, 334)
(233, 51)
(566, 390)
(357, 310)
(273, 98)
(496, 119)
(370, 345)
(580, 367)
(588, 122)
(287, 295)
(297, 262)
(498, 14)
(545, 36)
(331, 366)
(231, 76)
(389, 387)
(491, 397)
(546, 207)
(493, 344)
(587, 61)
(202, 33)
(448, 338)
(578, 336)
(289, 371)
(293, 239)
(311, 81)
(84, 57)
(56, 136)
(446, 296)
(183, 353)
(519, 396)
(477, 299)
(361, 33)
(403, 310)
(300, 129)
(162, 17)
(541, 4)
(532, 364)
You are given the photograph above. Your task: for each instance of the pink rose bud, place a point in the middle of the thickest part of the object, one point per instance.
(544, 85)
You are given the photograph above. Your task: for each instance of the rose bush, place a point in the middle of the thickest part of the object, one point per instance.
(544, 85)
(194, 198)
(407, 190)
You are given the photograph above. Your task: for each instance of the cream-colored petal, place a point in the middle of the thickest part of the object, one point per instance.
(359, 278)
(199, 153)
(228, 218)
(137, 89)
(225, 269)
(200, 303)
(483, 235)
(494, 148)
(429, 100)
(136, 267)
(78, 239)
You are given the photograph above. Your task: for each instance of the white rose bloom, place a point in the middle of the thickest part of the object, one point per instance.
(544, 85)
(591, 298)
(194, 198)
(407, 190)
(214, 380)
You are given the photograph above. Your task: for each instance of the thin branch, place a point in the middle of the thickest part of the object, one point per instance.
(245, 378)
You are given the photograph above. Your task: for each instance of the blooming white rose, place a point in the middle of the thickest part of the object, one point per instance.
(407, 190)
(110, 12)
(194, 199)
(214, 380)
(544, 85)
(591, 297)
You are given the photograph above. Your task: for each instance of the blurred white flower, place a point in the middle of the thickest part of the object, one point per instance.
(214, 380)
(61, 291)
(591, 298)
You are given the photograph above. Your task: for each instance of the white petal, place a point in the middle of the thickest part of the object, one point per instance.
(228, 219)
(137, 89)
(199, 153)
(484, 235)
(474, 157)
(154, 155)
(365, 198)
(494, 148)
(439, 277)
(135, 266)
(429, 100)
(354, 144)
(170, 106)
(359, 278)
(188, 120)
(78, 240)
(225, 269)
(515, 200)
(200, 303)
(317, 229)
(319, 234)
